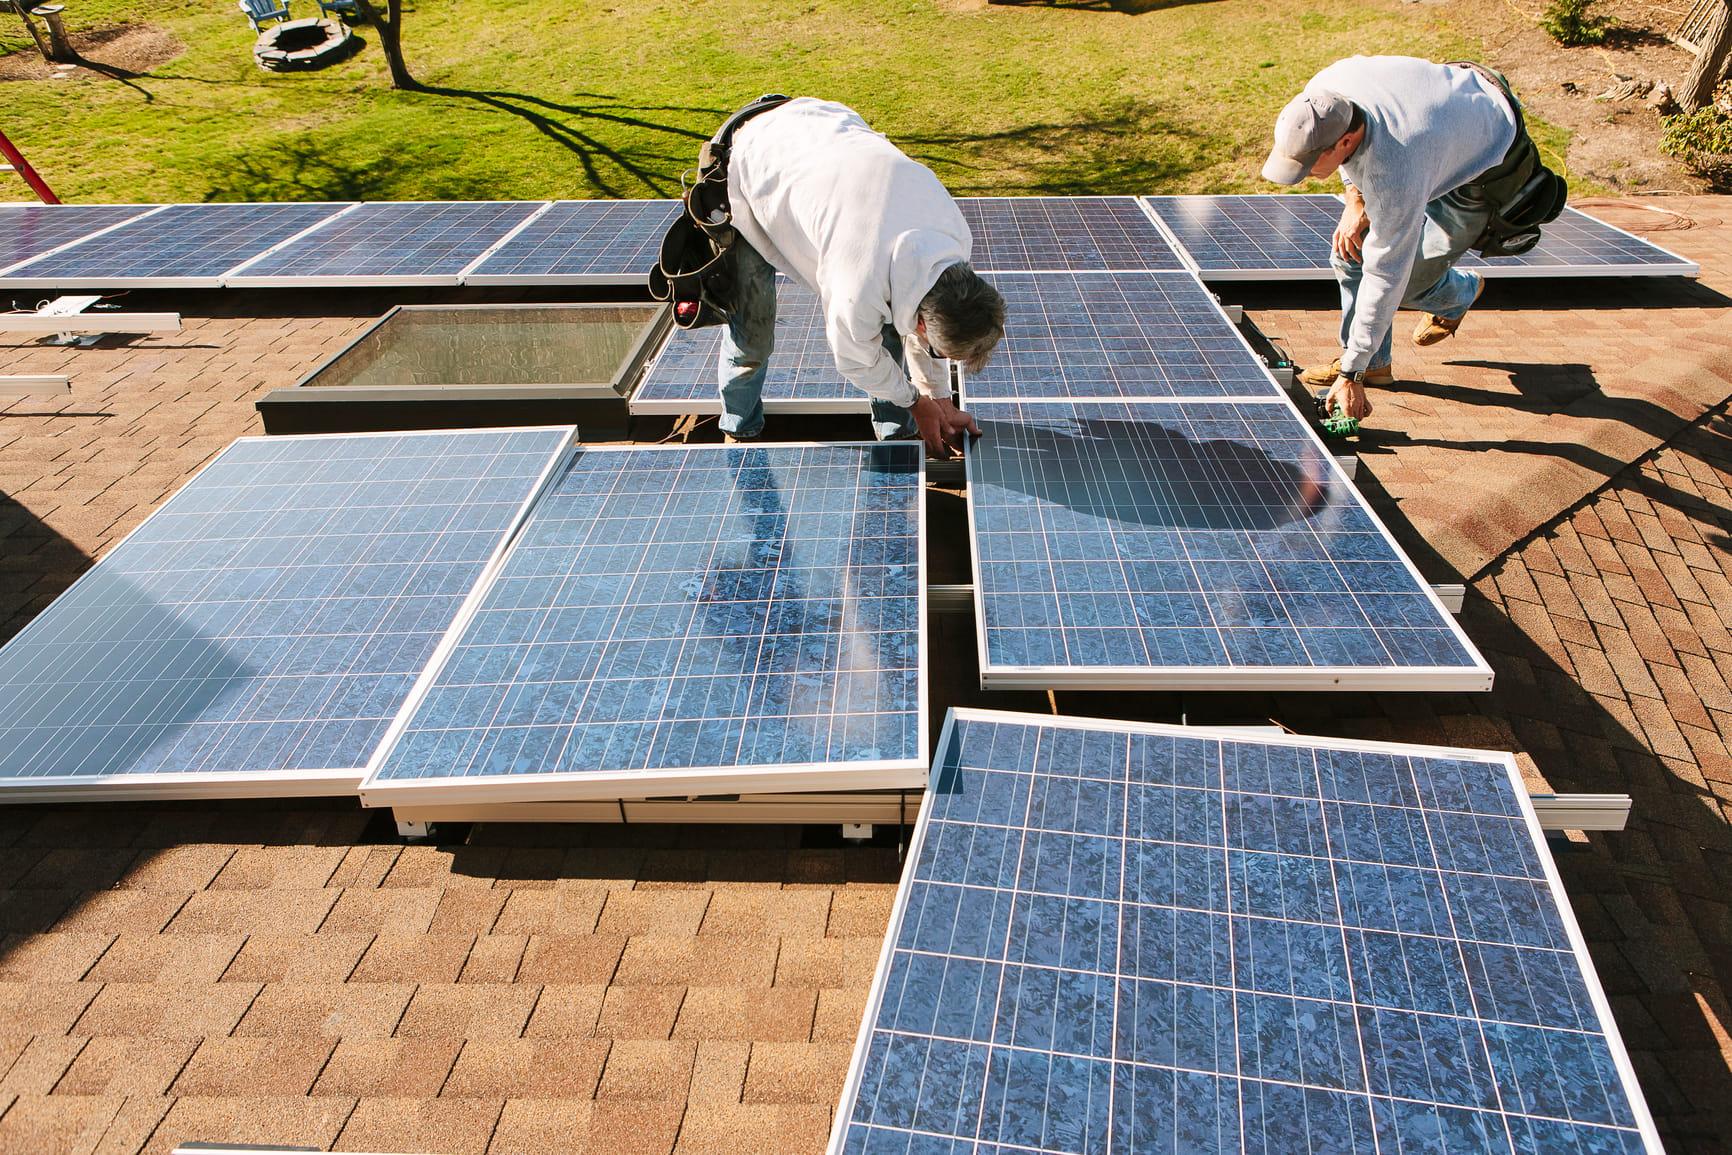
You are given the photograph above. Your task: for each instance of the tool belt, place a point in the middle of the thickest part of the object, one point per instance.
(695, 269)
(1521, 193)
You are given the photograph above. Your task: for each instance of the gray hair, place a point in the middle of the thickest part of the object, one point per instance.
(964, 317)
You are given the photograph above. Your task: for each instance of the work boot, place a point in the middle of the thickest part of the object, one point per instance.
(741, 439)
(1325, 375)
(1432, 328)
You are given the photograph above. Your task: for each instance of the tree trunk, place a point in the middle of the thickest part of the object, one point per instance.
(390, 28)
(1697, 87)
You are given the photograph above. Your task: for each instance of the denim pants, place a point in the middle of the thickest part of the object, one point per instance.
(750, 338)
(1453, 222)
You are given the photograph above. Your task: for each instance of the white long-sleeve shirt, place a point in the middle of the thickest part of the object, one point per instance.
(840, 209)
(1429, 129)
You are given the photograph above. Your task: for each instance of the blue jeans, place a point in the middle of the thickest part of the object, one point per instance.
(750, 338)
(1453, 222)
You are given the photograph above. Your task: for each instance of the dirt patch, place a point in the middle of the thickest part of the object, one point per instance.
(1615, 143)
(110, 53)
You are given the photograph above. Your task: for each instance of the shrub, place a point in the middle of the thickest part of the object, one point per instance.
(1703, 139)
(1573, 22)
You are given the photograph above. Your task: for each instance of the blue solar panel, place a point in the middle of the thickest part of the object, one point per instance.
(405, 242)
(1288, 238)
(28, 231)
(1115, 336)
(681, 615)
(802, 376)
(1197, 546)
(1285, 237)
(1577, 244)
(581, 242)
(260, 631)
(1114, 937)
(1034, 234)
(183, 245)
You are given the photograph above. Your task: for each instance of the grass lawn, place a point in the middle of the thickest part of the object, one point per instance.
(556, 98)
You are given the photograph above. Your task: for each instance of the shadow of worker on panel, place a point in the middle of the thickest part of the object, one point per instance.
(1154, 474)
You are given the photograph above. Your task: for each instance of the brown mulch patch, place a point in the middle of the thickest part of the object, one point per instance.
(124, 51)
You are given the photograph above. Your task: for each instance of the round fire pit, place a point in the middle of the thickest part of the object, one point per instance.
(295, 45)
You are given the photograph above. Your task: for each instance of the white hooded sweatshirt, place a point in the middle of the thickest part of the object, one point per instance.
(840, 209)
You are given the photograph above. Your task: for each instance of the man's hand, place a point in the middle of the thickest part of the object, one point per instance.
(1349, 239)
(942, 426)
(1348, 396)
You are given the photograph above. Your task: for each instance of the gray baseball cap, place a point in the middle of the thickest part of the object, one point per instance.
(1311, 123)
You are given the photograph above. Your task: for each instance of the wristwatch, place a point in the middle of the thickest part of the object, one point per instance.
(1357, 376)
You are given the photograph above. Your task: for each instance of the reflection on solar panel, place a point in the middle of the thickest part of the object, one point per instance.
(581, 243)
(1032, 234)
(258, 633)
(183, 246)
(1115, 336)
(1122, 937)
(1252, 237)
(1195, 546)
(1578, 245)
(685, 619)
(29, 231)
(802, 377)
(391, 243)
(1248, 238)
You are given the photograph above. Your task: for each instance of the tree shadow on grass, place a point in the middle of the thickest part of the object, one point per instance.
(562, 124)
(1125, 7)
(1131, 147)
(302, 168)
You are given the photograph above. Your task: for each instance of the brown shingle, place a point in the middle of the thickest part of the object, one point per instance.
(39, 1064)
(347, 1010)
(669, 912)
(780, 1013)
(468, 1010)
(275, 1121)
(434, 1126)
(126, 1066)
(571, 958)
(397, 910)
(495, 958)
(640, 1012)
(530, 1068)
(789, 913)
(254, 1066)
(44, 1008)
(388, 1068)
(414, 958)
(167, 1010)
(552, 912)
(279, 867)
(601, 1127)
(297, 958)
(45, 1123)
(644, 1069)
(729, 1129)
(566, 1010)
(796, 1072)
(254, 911)
(149, 958)
(652, 960)
(53, 957)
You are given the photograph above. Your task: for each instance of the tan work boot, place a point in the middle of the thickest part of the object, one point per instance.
(1432, 328)
(1326, 374)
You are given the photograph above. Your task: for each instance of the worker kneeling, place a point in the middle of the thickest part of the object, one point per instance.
(821, 197)
(1436, 160)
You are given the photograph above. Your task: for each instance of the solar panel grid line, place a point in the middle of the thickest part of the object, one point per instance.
(1051, 233)
(967, 1090)
(187, 246)
(1257, 484)
(280, 782)
(516, 230)
(32, 253)
(1150, 337)
(425, 243)
(288, 242)
(1279, 236)
(383, 787)
(581, 243)
(683, 376)
(1562, 251)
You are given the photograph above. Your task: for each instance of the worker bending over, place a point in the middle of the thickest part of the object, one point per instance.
(1425, 151)
(821, 197)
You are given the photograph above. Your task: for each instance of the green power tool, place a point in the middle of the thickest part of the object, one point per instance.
(1334, 422)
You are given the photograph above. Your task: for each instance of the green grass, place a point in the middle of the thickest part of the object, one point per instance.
(556, 98)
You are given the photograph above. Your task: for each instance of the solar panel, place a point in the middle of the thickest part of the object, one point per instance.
(1115, 336)
(391, 243)
(1252, 237)
(1035, 234)
(1279, 237)
(257, 634)
(688, 619)
(30, 231)
(1578, 245)
(1197, 546)
(1124, 937)
(182, 246)
(802, 377)
(581, 243)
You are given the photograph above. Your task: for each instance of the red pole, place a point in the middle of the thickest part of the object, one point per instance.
(17, 161)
